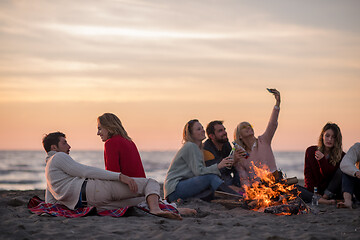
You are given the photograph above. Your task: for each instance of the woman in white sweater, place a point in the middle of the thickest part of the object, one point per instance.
(75, 185)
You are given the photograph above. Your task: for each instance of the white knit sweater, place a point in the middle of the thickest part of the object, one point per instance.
(64, 178)
(350, 160)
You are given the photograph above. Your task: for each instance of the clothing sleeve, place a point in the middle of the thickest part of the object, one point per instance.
(272, 125)
(350, 159)
(64, 162)
(214, 161)
(111, 157)
(325, 169)
(209, 158)
(308, 174)
(195, 161)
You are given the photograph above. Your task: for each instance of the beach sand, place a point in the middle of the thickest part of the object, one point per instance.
(213, 221)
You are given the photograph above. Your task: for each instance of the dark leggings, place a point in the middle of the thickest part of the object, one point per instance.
(333, 190)
(305, 194)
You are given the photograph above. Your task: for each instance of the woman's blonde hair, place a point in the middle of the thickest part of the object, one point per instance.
(237, 135)
(112, 123)
(336, 150)
(187, 132)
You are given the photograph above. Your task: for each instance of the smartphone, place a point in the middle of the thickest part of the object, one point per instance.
(269, 90)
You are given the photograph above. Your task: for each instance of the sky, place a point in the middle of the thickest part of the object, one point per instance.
(157, 64)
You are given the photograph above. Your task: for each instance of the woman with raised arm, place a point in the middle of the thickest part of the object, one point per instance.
(256, 151)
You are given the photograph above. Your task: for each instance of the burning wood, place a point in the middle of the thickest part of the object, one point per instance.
(274, 194)
(271, 193)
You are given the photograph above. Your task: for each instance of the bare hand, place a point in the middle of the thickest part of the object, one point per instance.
(129, 181)
(318, 155)
(226, 162)
(239, 156)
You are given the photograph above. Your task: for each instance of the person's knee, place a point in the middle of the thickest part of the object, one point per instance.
(153, 181)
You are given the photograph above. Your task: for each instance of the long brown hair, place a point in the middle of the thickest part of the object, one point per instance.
(336, 150)
(112, 123)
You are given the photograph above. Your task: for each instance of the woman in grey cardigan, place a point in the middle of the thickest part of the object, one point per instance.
(187, 175)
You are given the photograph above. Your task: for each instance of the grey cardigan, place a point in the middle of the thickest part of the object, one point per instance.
(187, 163)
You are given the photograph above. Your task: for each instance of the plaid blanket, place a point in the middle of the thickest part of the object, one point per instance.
(39, 207)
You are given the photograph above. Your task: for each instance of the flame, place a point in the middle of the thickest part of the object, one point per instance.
(267, 192)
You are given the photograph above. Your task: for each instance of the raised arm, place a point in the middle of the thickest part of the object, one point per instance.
(273, 122)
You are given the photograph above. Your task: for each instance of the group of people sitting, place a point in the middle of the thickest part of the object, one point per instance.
(197, 170)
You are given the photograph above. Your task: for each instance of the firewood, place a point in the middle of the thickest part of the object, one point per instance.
(230, 203)
(225, 195)
(291, 181)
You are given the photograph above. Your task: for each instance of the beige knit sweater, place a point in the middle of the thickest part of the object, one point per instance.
(64, 178)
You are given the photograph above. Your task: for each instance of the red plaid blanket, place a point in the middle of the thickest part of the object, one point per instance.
(39, 207)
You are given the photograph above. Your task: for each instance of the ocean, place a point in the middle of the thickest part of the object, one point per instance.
(24, 170)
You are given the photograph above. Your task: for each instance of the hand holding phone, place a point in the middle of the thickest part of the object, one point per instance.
(270, 90)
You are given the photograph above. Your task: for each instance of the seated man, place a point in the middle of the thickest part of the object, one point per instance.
(216, 148)
(76, 185)
(351, 175)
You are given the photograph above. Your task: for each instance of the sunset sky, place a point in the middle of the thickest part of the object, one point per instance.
(158, 64)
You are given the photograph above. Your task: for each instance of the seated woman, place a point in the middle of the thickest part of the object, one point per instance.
(120, 152)
(256, 151)
(187, 175)
(322, 164)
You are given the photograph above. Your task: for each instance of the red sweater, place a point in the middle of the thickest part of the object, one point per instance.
(122, 155)
(318, 173)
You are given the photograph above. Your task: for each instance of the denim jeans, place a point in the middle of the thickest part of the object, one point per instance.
(194, 186)
(351, 185)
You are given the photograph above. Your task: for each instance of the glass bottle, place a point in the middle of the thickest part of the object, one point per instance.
(237, 146)
(315, 197)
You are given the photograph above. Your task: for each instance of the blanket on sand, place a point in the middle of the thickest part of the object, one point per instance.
(39, 207)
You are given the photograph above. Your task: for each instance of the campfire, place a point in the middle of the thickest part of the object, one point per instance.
(271, 193)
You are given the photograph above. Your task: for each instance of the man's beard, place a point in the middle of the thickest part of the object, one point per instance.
(222, 140)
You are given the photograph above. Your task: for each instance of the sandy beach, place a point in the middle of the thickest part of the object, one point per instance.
(213, 221)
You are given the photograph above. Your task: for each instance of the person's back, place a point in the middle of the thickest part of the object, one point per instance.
(120, 152)
(122, 155)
